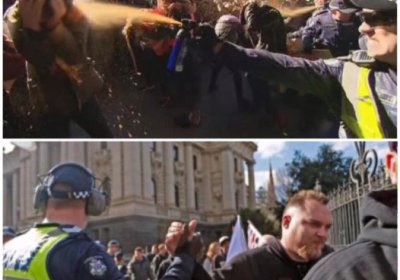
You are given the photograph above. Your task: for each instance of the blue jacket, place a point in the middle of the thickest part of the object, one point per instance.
(338, 37)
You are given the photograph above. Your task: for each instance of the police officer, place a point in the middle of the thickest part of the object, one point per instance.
(362, 91)
(59, 248)
(335, 29)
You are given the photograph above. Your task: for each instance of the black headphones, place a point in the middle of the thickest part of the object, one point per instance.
(73, 175)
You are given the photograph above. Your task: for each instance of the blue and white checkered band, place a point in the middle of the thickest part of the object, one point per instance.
(81, 195)
(96, 266)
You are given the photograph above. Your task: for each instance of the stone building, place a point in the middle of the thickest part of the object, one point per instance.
(151, 184)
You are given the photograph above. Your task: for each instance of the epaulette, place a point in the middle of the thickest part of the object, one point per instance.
(359, 57)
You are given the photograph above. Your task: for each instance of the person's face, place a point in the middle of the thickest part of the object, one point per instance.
(340, 16)
(319, 2)
(307, 229)
(381, 33)
(225, 247)
(139, 255)
(113, 248)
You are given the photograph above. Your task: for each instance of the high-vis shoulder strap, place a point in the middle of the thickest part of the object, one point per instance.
(359, 111)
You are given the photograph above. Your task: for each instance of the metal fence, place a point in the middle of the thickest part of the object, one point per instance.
(366, 175)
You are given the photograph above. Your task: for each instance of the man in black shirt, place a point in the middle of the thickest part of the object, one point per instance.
(305, 225)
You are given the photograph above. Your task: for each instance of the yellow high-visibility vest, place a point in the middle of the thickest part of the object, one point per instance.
(25, 256)
(359, 110)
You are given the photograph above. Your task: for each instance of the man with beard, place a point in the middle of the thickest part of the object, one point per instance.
(305, 225)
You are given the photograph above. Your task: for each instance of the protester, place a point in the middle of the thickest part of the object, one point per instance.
(139, 266)
(58, 247)
(159, 258)
(305, 225)
(62, 82)
(120, 263)
(154, 251)
(113, 246)
(220, 258)
(368, 107)
(374, 254)
(212, 252)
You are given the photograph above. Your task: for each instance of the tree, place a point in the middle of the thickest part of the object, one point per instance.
(258, 219)
(261, 195)
(330, 167)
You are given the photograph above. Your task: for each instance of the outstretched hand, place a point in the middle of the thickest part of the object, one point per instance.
(179, 234)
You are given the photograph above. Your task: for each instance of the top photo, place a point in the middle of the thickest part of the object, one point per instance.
(200, 69)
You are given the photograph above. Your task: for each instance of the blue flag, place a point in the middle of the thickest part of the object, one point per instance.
(238, 242)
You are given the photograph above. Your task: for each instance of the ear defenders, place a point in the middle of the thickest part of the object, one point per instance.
(82, 182)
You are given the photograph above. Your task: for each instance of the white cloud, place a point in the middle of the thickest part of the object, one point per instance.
(343, 145)
(260, 177)
(267, 149)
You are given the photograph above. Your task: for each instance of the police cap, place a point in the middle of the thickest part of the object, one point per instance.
(376, 5)
(79, 178)
(343, 6)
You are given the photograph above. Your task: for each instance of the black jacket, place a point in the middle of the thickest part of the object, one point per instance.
(374, 254)
(268, 262)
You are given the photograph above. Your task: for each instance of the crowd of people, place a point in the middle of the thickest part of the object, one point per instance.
(59, 247)
(362, 44)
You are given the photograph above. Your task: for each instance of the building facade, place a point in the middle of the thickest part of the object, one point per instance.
(150, 184)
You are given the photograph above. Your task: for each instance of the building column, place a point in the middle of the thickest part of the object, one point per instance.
(31, 182)
(64, 152)
(207, 199)
(189, 178)
(23, 190)
(76, 152)
(132, 169)
(43, 158)
(252, 197)
(228, 183)
(168, 160)
(15, 198)
(117, 179)
(147, 191)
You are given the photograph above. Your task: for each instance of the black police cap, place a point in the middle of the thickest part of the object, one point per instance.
(376, 5)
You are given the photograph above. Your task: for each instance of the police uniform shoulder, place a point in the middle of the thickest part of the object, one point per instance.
(319, 12)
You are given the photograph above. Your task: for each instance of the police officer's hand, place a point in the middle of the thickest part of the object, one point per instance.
(206, 37)
(179, 236)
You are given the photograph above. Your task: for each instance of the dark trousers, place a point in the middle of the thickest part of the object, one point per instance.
(90, 118)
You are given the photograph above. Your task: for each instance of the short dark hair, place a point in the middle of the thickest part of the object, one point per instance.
(299, 198)
(138, 249)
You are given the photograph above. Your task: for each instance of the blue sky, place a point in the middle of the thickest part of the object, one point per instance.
(279, 152)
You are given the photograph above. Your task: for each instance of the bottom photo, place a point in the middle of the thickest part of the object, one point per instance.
(200, 210)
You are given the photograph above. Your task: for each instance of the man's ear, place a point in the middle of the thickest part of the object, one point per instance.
(286, 220)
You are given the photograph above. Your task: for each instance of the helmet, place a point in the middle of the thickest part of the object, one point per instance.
(82, 186)
(376, 5)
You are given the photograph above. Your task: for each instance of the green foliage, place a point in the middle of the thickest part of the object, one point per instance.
(261, 195)
(262, 223)
(330, 167)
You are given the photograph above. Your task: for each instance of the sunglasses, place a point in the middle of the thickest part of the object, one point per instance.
(378, 19)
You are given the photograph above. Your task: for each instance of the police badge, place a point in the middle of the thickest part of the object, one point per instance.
(96, 266)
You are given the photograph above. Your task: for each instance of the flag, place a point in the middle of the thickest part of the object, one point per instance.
(253, 236)
(238, 242)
